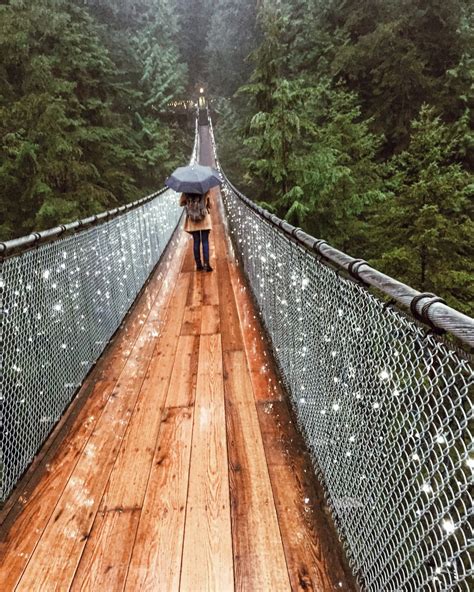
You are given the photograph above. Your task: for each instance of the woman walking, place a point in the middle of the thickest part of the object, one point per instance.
(194, 182)
(198, 224)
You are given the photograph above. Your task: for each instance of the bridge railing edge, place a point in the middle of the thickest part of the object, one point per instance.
(425, 307)
(17, 246)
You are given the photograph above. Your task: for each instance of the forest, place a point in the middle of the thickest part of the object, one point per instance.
(351, 119)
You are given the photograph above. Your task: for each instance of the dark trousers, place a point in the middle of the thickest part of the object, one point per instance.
(201, 236)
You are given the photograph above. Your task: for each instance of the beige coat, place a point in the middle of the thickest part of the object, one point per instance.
(204, 224)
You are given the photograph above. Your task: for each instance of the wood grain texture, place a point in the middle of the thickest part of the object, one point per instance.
(188, 264)
(210, 290)
(207, 554)
(20, 540)
(258, 550)
(314, 562)
(192, 320)
(182, 387)
(128, 482)
(230, 329)
(156, 560)
(210, 320)
(265, 383)
(70, 525)
(104, 563)
(195, 289)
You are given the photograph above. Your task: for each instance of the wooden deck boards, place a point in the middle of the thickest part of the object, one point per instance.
(182, 470)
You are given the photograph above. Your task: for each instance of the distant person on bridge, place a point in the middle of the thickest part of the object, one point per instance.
(198, 224)
(194, 182)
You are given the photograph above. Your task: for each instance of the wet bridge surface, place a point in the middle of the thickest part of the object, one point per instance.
(179, 466)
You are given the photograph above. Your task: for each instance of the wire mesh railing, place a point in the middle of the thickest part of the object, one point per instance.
(383, 402)
(60, 303)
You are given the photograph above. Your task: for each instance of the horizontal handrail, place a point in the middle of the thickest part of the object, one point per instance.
(383, 405)
(18, 245)
(423, 306)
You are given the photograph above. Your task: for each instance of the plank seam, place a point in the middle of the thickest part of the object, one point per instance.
(164, 408)
(131, 349)
(254, 403)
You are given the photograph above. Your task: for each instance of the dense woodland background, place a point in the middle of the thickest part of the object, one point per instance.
(351, 118)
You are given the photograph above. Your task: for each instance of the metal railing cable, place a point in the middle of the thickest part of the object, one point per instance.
(63, 294)
(384, 404)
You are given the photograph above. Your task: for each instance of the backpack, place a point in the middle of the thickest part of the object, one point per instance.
(196, 206)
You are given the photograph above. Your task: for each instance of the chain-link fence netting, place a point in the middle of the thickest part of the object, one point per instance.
(60, 303)
(384, 406)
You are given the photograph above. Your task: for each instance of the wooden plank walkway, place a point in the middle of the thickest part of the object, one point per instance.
(181, 469)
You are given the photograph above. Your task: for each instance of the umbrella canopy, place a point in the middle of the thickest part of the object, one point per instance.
(194, 178)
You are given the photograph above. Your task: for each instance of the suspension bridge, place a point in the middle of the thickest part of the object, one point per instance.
(294, 420)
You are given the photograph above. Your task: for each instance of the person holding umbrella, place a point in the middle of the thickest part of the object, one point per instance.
(194, 182)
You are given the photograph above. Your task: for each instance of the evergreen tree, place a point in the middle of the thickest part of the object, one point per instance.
(426, 224)
(194, 18)
(336, 91)
(79, 134)
(56, 79)
(395, 55)
(233, 34)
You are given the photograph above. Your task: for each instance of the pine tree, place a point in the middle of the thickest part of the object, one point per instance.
(194, 17)
(233, 34)
(426, 225)
(79, 125)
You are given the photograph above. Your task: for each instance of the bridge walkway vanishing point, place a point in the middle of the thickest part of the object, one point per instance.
(179, 466)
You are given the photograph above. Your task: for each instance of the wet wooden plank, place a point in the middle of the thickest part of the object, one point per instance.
(156, 560)
(211, 322)
(230, 327)
(192, 321)
(184, 375)
(151, 306)
(188, 265)
(129, 479)
(231, 333)
(195, 289)
(104, 563)
(71, 522)
(20, 538)
(126, 488)
(265, 382)
(207, 554)
(210, 290)
(258, 549)
(169, 272)
(314, 563)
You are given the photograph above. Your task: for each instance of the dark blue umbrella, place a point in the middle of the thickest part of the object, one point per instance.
(194, 178)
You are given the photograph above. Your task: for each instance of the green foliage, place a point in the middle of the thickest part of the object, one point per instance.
(396, 54)
(78, 133)
(194, 18)
(233, 34)
(426, 223)
(338, 136)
